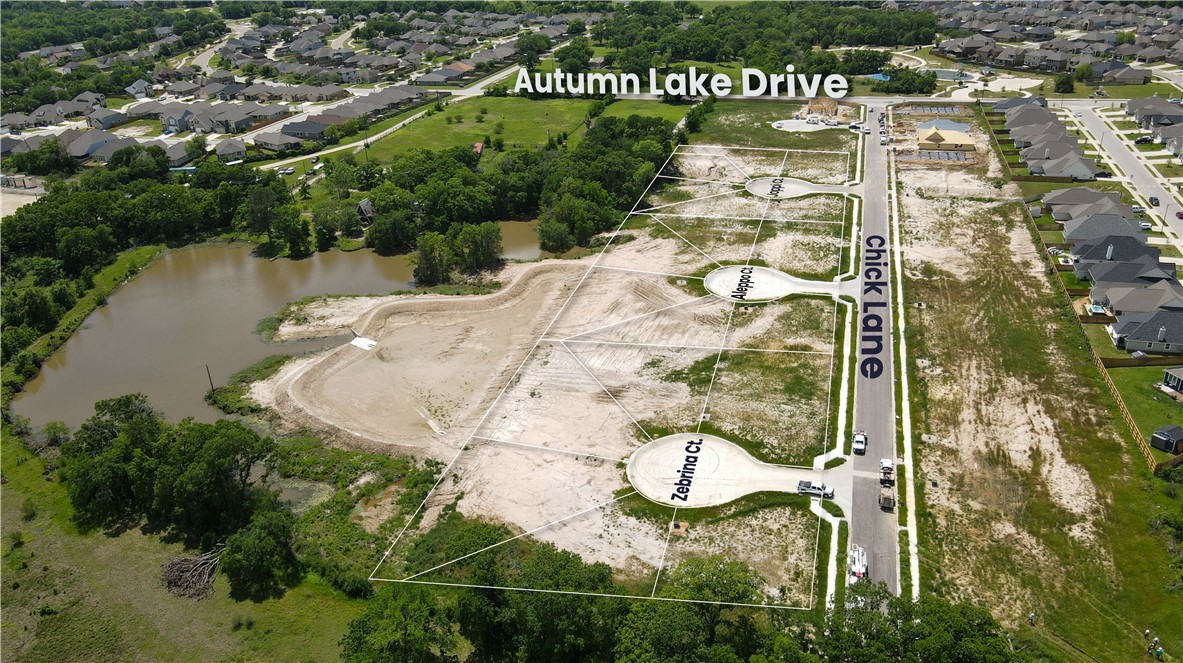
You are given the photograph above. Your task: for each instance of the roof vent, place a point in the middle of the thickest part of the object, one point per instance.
(1109, 253)
(1162, 334)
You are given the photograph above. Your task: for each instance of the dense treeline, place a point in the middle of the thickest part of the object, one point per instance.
(902, 80)
(30, 83)
(689, 622)
(434, 201)
(208, 485)
(101, 28)
(765, 35)
(53, 247)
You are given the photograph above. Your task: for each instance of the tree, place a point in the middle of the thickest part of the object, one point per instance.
(433, 259)
(391, 232)
(1065, 84)
(1083, 73)
(291, 228)
(48, 157)
(554, 236)
(258, 559)
(576, 27)
(341, 178)
(401, 623)
(328, 218)
(1126, 37)
(476, 247)
(530, 47)
(196, 147)
(257, 209)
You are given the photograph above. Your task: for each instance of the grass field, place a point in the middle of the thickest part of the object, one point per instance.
(746, 124)
(1169, 169)
(70, 596)
(1096, 593)
(524, 122)
(626, 107)
(1150, 407)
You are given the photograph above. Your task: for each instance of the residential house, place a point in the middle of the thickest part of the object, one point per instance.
(108, 149)
(305, 129)
(1158, 332)
(1160, 296)
(276, 142)
(231, 149)
(105, 118)
(1172, 378)
(1095, 226)
(139, 89)
(1111, 248)
(1169, 438)
(85, 145)
(92, 99)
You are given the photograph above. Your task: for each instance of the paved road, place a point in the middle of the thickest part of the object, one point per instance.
(343, 40)
(201, 60)
(1138, 176)
(875, 530)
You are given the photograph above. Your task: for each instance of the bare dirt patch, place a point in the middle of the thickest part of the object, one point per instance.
(436, 367)
(777, 542)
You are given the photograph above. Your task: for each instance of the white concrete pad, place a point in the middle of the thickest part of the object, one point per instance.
(753, 284)
(690, 470)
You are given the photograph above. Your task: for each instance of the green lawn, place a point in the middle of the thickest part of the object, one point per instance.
(1098, 593)
(1040, 188)
(1125, 125)
(1169, 169)
(1150, 407)
(746, 123)
(117, 103)
(526, 122)
(1102, 345)
(86, 597)
(626, 107)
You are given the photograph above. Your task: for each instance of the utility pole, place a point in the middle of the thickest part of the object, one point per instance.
(210, 377)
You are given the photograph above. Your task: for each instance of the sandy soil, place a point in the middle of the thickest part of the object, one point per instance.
(11, 201)
(419, 391)
(545, 454)
(988, 427)
(777, 542)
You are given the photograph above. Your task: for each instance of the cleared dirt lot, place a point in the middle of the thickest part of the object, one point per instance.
(419, 390)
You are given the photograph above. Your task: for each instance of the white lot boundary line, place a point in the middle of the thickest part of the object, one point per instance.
(641, 271)
(683, 202)
(817, 544)
(741, 170)
(686, 347)
(691, 244)
(740, 218)
(764, 215)
(664, 551)
(518, 536)
(618, 404)
(508, 382)
(670, 599)
(636, 317)
(691, 149)
(695, 179)
(539, 446)
(715, 371)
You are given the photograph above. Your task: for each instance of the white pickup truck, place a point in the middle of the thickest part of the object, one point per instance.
(859, 445)
(815, 488)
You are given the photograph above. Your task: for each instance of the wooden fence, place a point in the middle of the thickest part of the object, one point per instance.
(1042, 178)
(1125, 413)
